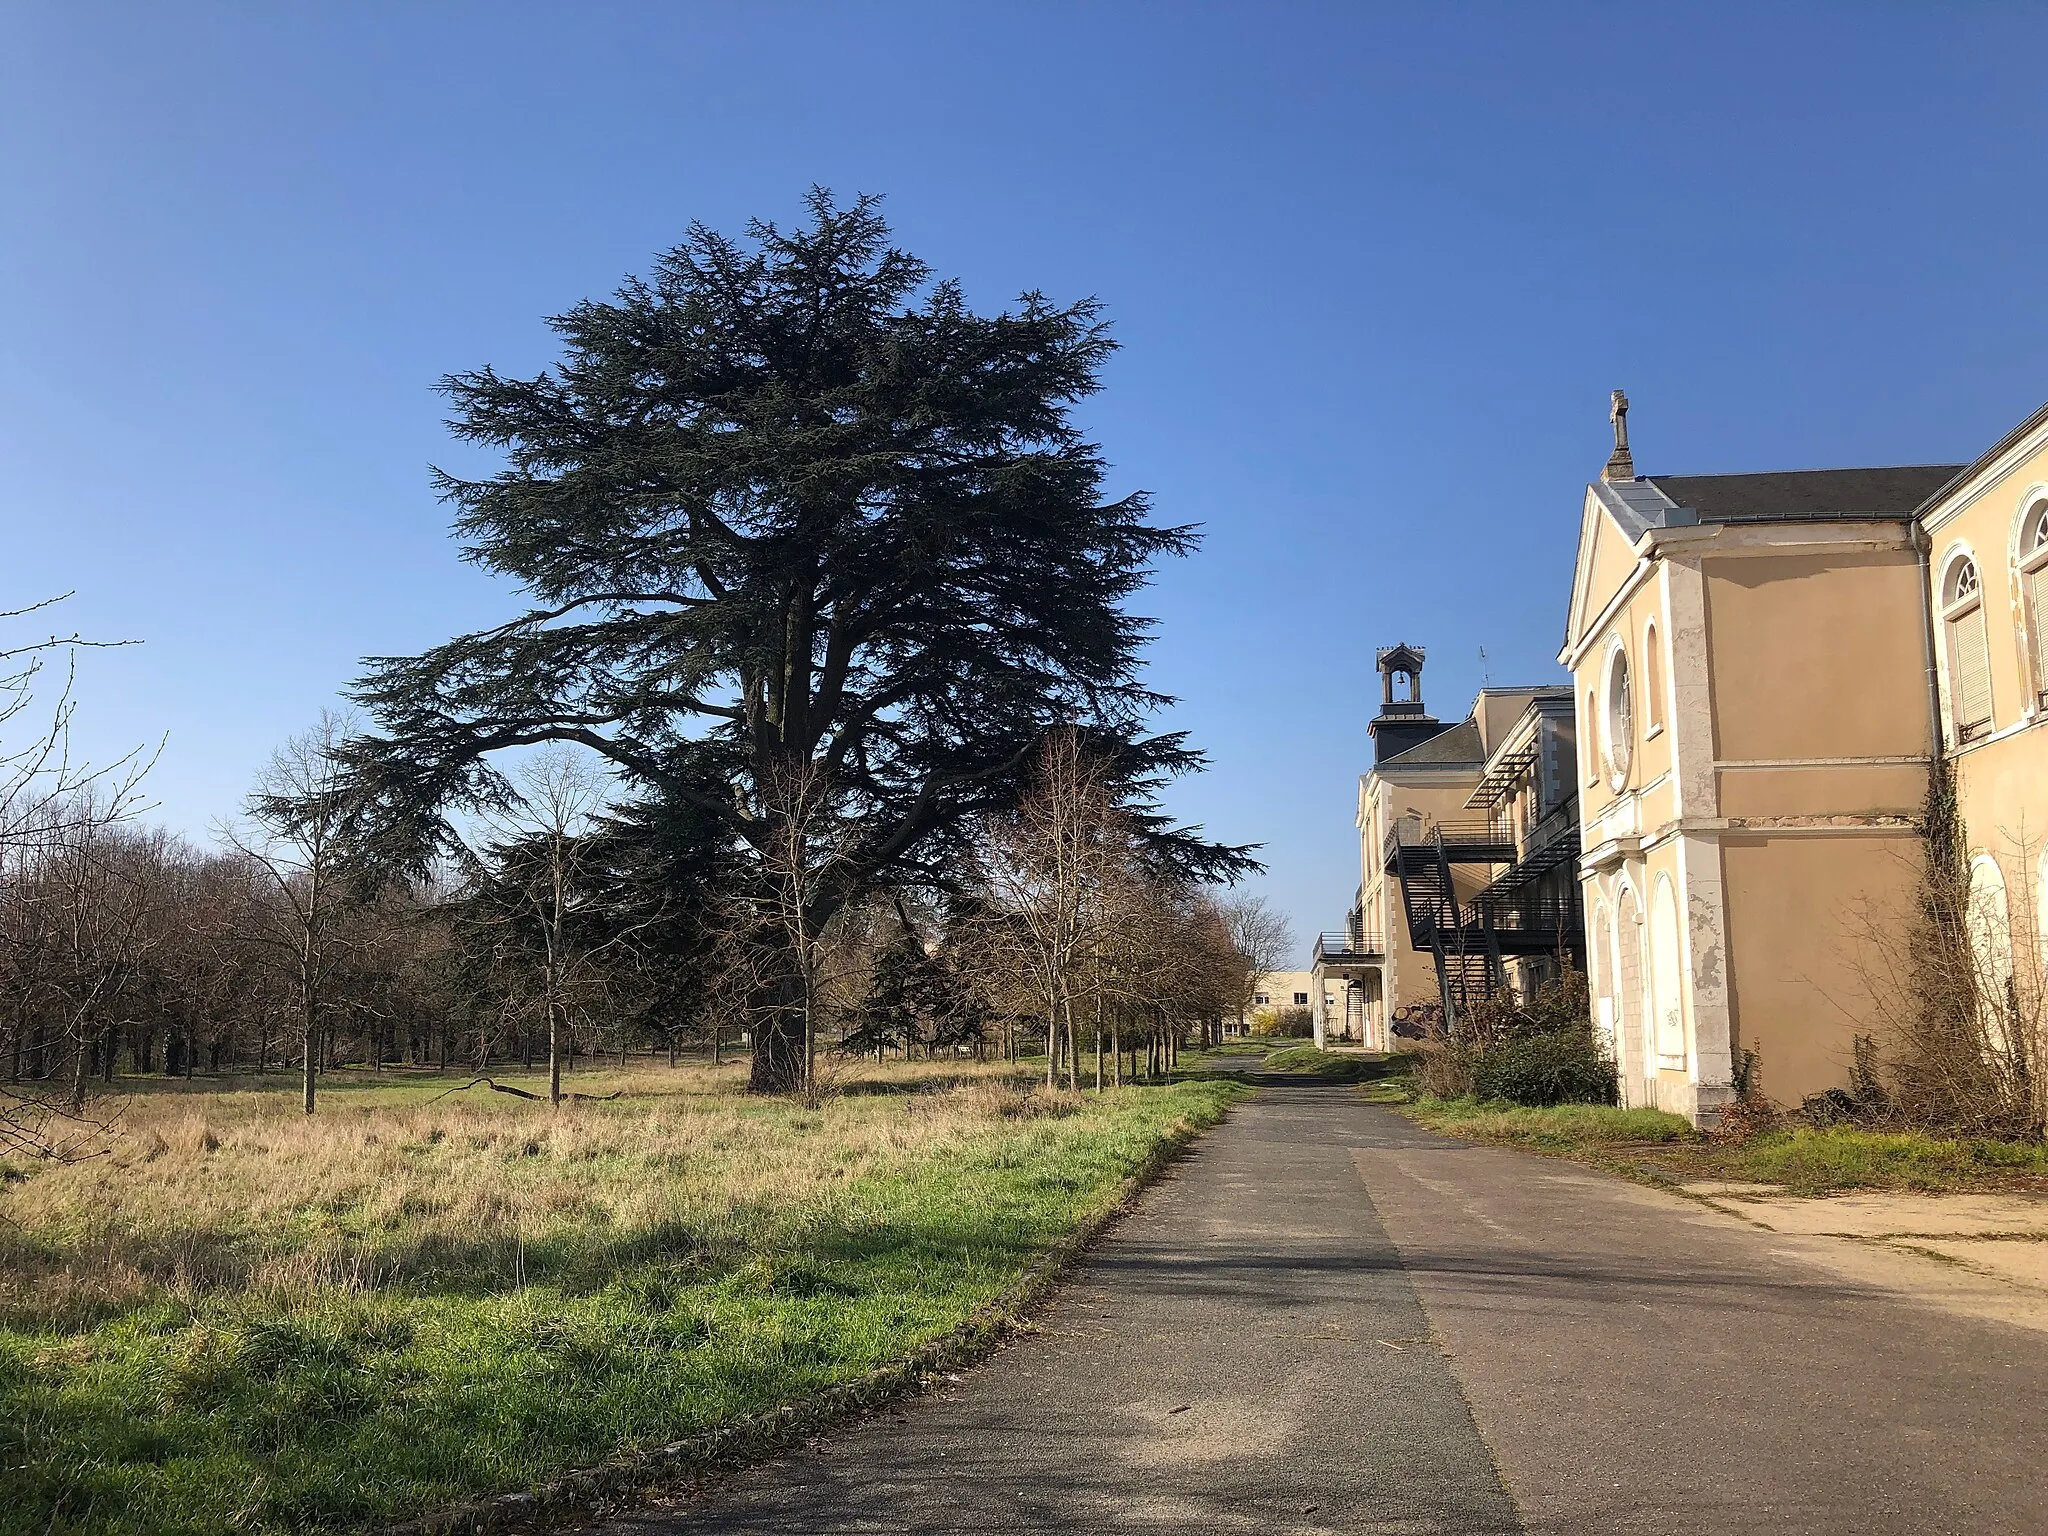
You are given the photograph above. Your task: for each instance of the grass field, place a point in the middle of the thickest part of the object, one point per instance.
(1805, 1161)
(245, 1320)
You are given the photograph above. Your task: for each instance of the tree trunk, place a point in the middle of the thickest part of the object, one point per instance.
(311, 1059)
(555, 1053)
(776, 1022)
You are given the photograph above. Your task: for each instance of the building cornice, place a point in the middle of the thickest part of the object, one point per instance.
(1988, 473)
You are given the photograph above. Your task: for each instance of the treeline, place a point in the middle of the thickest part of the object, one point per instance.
(127, 949)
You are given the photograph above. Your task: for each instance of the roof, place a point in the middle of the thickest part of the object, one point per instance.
(1989, 457)
(1821, 494)
(1458, 745)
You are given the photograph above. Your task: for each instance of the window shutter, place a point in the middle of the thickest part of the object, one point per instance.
(1970, 673)
(2034, 585)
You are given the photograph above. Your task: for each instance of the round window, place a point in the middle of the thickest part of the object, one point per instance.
(1620, 723)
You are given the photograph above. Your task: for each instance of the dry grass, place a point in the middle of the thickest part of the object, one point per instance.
(239, 1191)
(242, 1319)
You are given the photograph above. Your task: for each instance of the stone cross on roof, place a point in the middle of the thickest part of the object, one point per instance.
(1620, 465)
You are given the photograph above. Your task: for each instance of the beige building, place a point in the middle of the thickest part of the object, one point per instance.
(1986, 592)
(1749, 658)
(1725, 802)
(1449, 904)
(1275, 990)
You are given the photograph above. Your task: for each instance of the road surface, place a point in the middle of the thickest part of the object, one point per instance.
(1325, 1319)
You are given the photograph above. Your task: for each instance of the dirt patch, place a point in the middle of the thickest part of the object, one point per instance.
(1977, 1254)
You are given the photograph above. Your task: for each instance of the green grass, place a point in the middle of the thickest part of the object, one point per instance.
(1562, 1128)
(1307, 1061)
(1823, 1161)
(1666, 1148)
(341, 1406)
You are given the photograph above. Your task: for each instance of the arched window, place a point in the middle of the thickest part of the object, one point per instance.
(1653, 683)
(2033, 561)
(1618, 717)
(1969, 650)
(1667, 974)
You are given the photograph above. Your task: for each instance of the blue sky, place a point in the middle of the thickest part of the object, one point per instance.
(1374, 269)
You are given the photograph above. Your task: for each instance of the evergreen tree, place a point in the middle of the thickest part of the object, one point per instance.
(806, 538)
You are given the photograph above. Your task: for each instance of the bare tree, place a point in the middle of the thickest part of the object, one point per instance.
(294, 835)
(1048, 874)
(783, 934)
(535, 876)
(50, 804)
(1263, 939)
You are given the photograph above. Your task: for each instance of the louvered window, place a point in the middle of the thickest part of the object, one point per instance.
(2034, 592)
(1969, 653)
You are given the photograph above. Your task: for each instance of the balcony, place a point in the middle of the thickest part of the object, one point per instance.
(1354, 948)
(1463, 842)
(1524, 923)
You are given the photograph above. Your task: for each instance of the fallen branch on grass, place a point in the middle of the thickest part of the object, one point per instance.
(520, 1093)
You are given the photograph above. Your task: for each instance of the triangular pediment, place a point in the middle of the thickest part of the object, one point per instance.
(1611, 524)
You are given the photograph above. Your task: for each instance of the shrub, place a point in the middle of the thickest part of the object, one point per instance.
(1288, 1023)
(1540, 1053)
(1564, 1066)
(1444, 1071)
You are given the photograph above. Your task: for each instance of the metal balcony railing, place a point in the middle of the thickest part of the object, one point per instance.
(1463, 842)
(1356, 945)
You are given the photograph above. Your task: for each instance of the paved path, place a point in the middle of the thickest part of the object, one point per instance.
(1295, 1330)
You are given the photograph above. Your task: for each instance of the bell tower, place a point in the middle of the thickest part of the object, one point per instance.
(1403, 721)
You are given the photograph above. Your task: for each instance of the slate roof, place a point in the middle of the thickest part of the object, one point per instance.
(1791, 495)
(1458, 746)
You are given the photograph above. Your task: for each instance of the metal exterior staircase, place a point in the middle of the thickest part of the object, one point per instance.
(1467, 960)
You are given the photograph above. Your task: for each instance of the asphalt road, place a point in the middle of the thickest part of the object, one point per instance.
(1324, 1319)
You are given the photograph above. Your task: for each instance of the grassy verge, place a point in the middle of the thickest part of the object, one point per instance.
(1307, 1061)
(1647, 1143)
(246, 1321)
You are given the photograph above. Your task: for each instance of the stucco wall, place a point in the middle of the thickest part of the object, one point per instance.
(1612, 560)
(1817, 655)
(1803, 977)
(1637, 625)
(1409, 978)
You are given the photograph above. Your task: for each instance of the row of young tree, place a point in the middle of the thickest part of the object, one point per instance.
(125, 949)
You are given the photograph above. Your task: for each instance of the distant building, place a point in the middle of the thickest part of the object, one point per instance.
(1276, 990)
(1452, 906)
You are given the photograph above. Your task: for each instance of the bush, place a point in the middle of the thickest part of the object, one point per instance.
(1565, 1066)
(1444, 1071)
(1538, 1054)
(1286, 1023)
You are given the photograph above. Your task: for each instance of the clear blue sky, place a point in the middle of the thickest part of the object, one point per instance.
(1375, 271)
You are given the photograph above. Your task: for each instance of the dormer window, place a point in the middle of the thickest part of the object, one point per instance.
(1969, 651)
